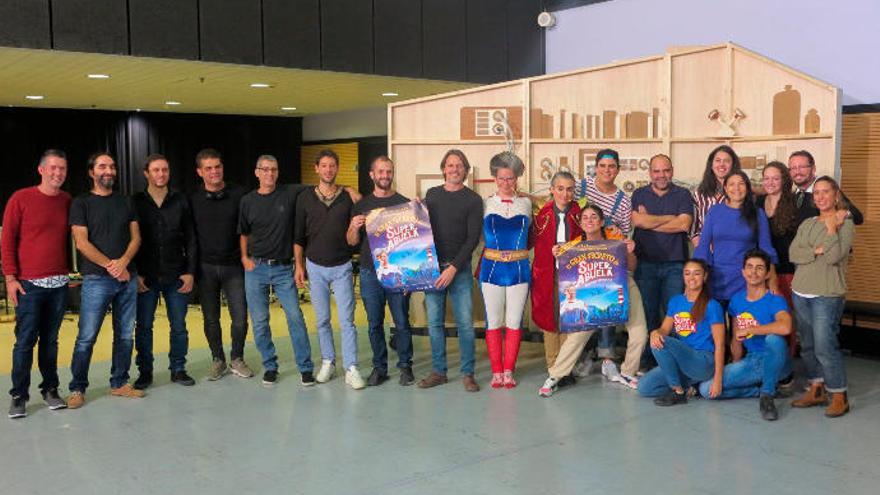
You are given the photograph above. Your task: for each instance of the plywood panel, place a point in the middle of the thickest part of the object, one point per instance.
(756, 82)
(624, 89)
(698, 88)
(438, 120)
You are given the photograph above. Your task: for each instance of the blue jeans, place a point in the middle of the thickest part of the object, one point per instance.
(658, 282)
(679, 365)
(818, 325)
(460, 290)
(256, 287)
(338, 278)
(755, 374)
(38, 317)
(374, 298)
(175, 308)
(100, 293)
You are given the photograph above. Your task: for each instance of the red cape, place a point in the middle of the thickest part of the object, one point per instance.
(542, 236)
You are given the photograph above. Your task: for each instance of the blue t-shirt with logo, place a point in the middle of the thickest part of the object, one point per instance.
(755, 313)
(696, 335)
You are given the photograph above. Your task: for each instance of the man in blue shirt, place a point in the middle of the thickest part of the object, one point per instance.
(661, 214)
(761, 322)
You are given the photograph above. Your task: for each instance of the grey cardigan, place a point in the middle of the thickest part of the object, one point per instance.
(823, 275)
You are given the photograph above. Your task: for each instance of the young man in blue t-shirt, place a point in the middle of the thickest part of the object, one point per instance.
(761, 321)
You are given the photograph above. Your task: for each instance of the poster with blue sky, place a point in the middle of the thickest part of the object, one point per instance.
(403, 249)
(593, 287)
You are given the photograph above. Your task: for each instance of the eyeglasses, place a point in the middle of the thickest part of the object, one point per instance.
(268, 170)
(506, 179)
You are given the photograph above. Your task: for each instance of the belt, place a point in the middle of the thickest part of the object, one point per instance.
(270, 261)
(497, 255)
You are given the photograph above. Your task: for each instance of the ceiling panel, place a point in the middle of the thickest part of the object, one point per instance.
(201, 87)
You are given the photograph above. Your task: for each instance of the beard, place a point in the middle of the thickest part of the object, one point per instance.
(383, 184)
(107, 181)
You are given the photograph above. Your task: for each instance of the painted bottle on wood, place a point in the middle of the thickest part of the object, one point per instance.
(787, 111)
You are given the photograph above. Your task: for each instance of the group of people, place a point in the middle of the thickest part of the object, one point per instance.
(754, 256)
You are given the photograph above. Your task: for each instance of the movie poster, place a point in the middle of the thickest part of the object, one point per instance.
(403, 249)
(593, 288)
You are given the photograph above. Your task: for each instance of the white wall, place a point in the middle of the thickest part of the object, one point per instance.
(349, 124)
(835, 41)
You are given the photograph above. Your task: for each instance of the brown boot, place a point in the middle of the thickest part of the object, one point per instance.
(432, 380)
(839, 405)
(469, 383)
(815, 396)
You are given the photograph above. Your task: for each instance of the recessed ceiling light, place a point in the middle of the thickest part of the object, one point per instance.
(390, 93)
(172, 102)
(261, 85)
(34, 97)
(288, 109)
(98, 76)
(137, 109)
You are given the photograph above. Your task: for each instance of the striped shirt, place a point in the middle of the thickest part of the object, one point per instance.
(702, 203)
(621, 215)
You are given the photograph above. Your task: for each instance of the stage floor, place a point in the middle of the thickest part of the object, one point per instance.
(235, 436)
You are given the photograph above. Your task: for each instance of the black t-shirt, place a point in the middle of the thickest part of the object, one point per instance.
(457, 222)
(216, 223)
(321, 229)
(108, 220)
(365, 206)
(267, 220)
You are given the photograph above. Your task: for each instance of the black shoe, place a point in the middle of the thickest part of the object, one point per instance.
(17, 408)
(377, 377)
(53, 400)
(270, 377)
(785, 387)
(671, 399)
(144, 380)
(566, 381)
(768, 408)
(307, 379)
(182, 378)
(406, 376)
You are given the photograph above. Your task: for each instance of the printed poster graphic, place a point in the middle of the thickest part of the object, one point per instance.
(403, 249)
(593, 288)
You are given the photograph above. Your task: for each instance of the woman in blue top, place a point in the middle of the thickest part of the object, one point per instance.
(734, 227)
(689, 345)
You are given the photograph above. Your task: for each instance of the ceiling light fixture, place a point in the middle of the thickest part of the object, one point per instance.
(288, 109)
(98, 76)
(261, 85)
(34, 97)
(390, 93)
(172, 102)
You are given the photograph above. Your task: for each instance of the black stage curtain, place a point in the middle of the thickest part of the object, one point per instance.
(131, 136)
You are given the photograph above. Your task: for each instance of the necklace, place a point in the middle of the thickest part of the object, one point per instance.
(329, 196)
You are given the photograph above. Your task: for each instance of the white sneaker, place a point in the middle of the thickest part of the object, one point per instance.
(327, 371)
(353, 377)
(610, 371)
(626, 380)
(548, 387)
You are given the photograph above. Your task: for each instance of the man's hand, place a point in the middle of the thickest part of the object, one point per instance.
(13, 289)
(248, 264)
(187, 285)
(357, 222)
(142, 286)
(300, 277)
(740, 333)
(116, 267)
(446, 277)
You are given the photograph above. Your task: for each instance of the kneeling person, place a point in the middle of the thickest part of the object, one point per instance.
(761, 322)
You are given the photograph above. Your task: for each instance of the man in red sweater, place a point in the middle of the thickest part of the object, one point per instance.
(35, 264)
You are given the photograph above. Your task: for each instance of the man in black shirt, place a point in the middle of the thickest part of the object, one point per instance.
(266, 237)
(106, 233)
(321, 250)
(166, 265)
(456, 220)
(372, 293)
(215, 210)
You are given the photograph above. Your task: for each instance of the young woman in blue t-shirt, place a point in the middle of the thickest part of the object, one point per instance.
(689, 345)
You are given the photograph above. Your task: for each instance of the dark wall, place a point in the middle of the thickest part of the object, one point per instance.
(461, 40)
(130, 136)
